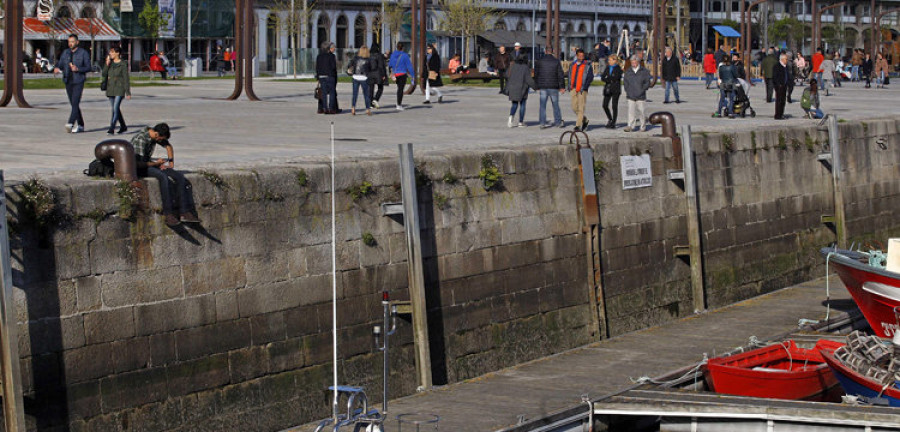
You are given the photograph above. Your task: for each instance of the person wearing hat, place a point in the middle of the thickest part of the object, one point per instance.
(517, 51)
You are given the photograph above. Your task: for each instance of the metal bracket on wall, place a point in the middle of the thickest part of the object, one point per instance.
(677, 177)
(825, 159)
(393, 211)
(404, 307)
(682, 251)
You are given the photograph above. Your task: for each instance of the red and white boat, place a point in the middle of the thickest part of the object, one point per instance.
(875, 290)
(779, 371)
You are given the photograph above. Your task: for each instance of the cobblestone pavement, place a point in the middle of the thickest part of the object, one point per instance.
(208, 130)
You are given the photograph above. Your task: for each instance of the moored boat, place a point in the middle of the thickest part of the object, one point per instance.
(857, 384)
(875, 290)
(779, 371)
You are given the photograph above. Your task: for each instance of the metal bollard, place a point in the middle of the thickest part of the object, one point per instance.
(122, 154)
(667, 121)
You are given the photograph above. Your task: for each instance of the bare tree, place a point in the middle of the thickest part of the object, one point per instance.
(394, 17)
(467, 18)
(293, 17)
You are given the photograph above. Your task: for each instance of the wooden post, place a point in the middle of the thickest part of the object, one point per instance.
(591, 219)
(693, 220)
(13, 409)
(416, 270)
(834, 143)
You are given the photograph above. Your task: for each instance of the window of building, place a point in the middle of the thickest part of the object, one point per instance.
(359, 31)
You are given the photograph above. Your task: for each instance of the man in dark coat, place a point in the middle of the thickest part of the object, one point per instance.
(768, 63)
(671, 73)
(781, 77)
(326, 72)
(551, 81)
(501, 64)
(74, 63)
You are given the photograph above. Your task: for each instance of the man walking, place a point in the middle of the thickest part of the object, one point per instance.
(501, 64)
(581, 74)
(637, 82)
(817, 60)
(782, 76)
(671, 73)
(550, 80)
(326, 72)
(74, 63)
(768, 64)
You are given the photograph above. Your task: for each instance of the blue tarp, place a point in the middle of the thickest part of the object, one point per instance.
(726, 31)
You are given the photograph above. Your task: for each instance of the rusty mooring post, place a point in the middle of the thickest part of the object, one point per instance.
(13, 35)
(243, 41)
(591, 229)
(667, 121)
(698, 289)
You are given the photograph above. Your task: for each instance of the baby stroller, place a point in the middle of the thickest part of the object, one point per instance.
(741, 100)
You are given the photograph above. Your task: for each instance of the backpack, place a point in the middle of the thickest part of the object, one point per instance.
(100, 168)
(806, 99)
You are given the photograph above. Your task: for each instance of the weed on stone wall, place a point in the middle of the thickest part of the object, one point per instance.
(441, 201)
(369, 240)
(753, 141)
(795, 143)
(97, 215)
(214, 178)
(450, 178)
(302, 178)
(361, 190)
(810, 143)
(599, 170)
(782, 141)
(422, 179)
(39, 204)
(490, 175)
(728, 142)
(127, 199)
(270, 195)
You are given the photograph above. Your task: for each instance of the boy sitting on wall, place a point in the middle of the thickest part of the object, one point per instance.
(144, 143)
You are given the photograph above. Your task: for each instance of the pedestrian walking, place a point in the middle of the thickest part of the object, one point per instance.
(118, 86)
(501, 64)
(377, 74)
(781, 77)
(74, 63)
(581, 74)
(839, 68)
(637, 82)
(171, 182)
(867, 68)
(326, 72)
(220, 60)
(768, 64)
(817, 60)
(612, 89)
(826, 74)
(520, 81)
(671, 73)
(401, 70)
(359, 69)
(551, 81)
(855, 62)
(432, 74)
(727, 83)
(709, 67)
(881, 70)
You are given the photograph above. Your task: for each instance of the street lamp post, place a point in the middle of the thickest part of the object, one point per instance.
(533, 38)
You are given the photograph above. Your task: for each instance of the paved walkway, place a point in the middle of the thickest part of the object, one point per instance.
(535, 389)
(211, 131)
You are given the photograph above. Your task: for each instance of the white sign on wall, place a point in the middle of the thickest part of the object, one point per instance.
(126, 6)
(636, 171)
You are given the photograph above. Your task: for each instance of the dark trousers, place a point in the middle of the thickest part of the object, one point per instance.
(373, 93)
(116, 103)
(790, 90)
(401, 86)
(162, 74)
(612, 113)
(74, 91)
(770, 87)
(502, 74)
(166, 188)
(780, 99)
(328, 103)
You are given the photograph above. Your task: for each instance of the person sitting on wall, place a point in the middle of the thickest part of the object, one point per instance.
(163, 170)
(156, 65)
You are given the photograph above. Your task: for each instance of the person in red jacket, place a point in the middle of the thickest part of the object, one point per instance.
(817, 60)
(709, 67)
(156, 65)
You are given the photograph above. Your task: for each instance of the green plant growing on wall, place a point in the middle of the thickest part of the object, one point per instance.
(369, 240)
(422, 179)
(599, 170)
(214, 178)
(810, 143)
(795, 143)
(782, 141)
(441, 201)
(302, 178)
(753, 140)
(97, 215)
(361, 190)
(728, 142)
(127, 197)
(39, 202)
(270, 195)
(449, 178)
(865, 128)
(490, 175)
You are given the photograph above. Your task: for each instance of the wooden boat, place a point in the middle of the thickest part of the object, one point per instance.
(856, 384)
(875, 290)
(779, 371)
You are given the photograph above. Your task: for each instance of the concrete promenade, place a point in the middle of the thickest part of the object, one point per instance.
(211, 131)
(541, 387)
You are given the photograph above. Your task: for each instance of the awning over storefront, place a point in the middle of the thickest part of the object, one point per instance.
(726, 31)
(61, 28)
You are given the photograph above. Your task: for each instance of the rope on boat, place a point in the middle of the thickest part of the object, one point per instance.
(692, 371)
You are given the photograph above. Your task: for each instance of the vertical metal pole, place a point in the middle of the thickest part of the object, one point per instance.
(548, 28)
(13, 409)
(834, 142)
(703, 27)
(693, 220)
(189, 28)
(416, 270)
(556, 25)
(386, 331)
(533, 20)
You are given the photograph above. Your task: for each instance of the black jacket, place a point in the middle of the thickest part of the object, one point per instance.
(548, 73)
(612, 81)
(360, 66)
(377, 66)
(326, 65)
(433, 64)
(671, 68)
(782, 76)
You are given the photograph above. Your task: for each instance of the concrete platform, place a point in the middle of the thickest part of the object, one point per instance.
(541, 387)
(209, 131)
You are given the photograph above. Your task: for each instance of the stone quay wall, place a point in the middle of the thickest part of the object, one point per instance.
(130, 325)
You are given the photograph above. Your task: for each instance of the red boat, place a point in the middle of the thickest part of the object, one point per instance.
(855, 384)
(780, 371)
(875, 290)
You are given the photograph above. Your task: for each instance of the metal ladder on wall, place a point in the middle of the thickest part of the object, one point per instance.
(13, 408)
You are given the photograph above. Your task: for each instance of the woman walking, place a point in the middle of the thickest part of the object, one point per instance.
(517, 86)
(881, 70)
(118, 87)
(359, 69)
(432, 75)
(612, 89)
(401, 70)
(377, 74)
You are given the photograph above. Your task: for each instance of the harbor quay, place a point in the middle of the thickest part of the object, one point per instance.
(474, 276)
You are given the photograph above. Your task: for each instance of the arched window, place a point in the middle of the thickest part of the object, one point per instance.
(602, 30)
(323, 30)
(272, 25)
(625, 27)
(614, 30)
(88, 12)
(582, 28)
(359, 31)
(64, 12)
(341, 32)
(521, 26)
(637, 29)
(500, 25)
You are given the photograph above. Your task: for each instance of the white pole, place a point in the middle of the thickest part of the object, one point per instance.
(292, 35)
(533, 53)
(334, 338)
